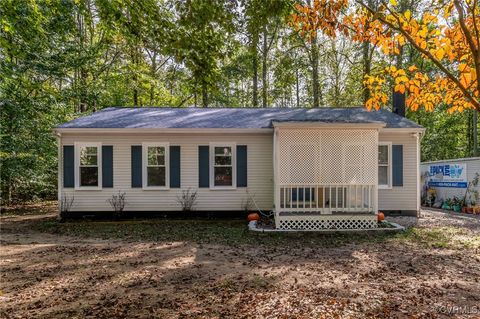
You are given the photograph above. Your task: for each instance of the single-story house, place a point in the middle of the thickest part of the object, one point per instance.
(314, 168)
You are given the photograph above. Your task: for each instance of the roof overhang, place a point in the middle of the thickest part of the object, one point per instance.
(63, 130)
(290, 125)
(327, 125)
(403, 130)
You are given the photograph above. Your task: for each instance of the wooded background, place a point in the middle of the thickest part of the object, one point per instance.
(61, 59)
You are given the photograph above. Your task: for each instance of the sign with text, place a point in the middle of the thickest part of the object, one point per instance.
(448, 175)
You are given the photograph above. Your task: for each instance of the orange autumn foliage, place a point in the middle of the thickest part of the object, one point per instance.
(448, 37)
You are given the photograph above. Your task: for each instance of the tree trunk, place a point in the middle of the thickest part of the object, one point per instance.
(153, 74)
(134, 57)
(315, 81)
(173, 80)
(255, 70)
(297, 88)
(83, 90)
(82, 73)
(152, 94)
(264, 67)
(336, 71)
(134, 76)
(475, 132)
(204, 95)
(135, 94)
(367, 65)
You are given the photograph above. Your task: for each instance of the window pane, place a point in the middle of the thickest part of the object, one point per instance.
(88, 160)
(224, 151)
(156, 155)
(155, 176)
(223, 176)
(88, 155)
(91, 150)
(383, 175)
(223, 160)
(383, 154)
(88, 176)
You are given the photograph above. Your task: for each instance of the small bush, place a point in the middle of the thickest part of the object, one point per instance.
(187, 200)
(118, 203)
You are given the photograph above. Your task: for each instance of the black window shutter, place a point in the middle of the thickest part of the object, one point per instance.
(68, 166)
(175, 166)
(241, 165)
(203, 166)
(397, 165)
(107, 166)
(136, 166)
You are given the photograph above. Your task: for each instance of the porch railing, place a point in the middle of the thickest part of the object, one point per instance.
(327, 198)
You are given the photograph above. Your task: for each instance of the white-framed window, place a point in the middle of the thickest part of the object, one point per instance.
(385, 165)
(155, 166)
(222, 166)
(88, 165)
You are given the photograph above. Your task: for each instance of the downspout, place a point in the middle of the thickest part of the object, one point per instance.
(418, 137)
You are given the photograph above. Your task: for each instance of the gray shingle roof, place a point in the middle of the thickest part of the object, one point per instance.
(160, 117)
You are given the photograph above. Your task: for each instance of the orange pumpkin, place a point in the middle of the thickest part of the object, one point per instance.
(253, 216)
(380, 216)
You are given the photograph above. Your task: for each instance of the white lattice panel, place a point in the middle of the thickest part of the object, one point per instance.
(313, 223)
(301, 161)
(327, 156)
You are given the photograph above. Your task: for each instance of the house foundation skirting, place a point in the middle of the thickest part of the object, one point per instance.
(394, 228)
(332, 222)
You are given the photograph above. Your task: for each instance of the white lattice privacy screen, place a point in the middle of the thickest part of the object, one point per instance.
(326, 178)
(321, 156)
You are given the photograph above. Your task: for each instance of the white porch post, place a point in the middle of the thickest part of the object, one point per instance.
(276, 188)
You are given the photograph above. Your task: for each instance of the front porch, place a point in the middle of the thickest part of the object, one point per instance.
(311, 207)
(325, 177)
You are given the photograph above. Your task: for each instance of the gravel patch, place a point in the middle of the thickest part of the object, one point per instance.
(433, 218)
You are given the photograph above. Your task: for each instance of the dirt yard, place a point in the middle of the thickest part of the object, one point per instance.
(215, 269)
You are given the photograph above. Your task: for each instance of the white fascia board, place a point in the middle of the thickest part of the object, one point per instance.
(403, 130)
(313, 125)
(164, 130)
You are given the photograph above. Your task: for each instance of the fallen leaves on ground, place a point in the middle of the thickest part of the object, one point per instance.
(46, 275)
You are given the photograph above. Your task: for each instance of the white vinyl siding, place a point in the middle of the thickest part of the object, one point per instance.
(401, 197)
(260, 173)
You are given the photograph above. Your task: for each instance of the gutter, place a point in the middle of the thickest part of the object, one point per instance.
(268, 130)
(420, 130)
(163, 130)
(330, 125)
